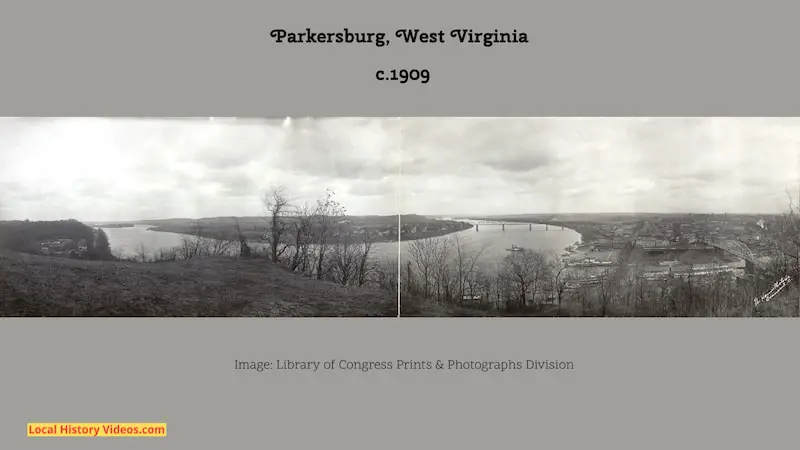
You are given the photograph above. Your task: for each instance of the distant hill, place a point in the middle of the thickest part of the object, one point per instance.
(252, 228)
(32, 285)
(609, 217)
(115, 225)
(26, 236)
(260, 220)
(416, 219)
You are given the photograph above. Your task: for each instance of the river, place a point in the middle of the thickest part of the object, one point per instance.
(494, 242)
(127, 241)
(490, 239)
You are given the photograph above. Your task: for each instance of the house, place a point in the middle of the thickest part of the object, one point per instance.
(648, 229)
(55, 246)
(603, 245)
(647, 243)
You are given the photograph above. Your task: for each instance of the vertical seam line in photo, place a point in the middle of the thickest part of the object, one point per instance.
(399, 209)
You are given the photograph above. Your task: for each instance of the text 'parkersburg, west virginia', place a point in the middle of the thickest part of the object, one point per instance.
(486, 38)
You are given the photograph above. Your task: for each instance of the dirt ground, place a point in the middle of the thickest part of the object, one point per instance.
(40, 286)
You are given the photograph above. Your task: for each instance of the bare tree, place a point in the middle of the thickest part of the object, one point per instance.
(201, 243)
(406, 278)
(244, 247)
(166, 254)
(424, 254)
(141, 253)
(191, 245)
(785, 238)
(523, 272)
(328, 214)
(465, 267)
(364, 264)
(386, 274)
(218, 245)
(560, 280)
(442, 273)
(277, 205)
(345, 258)
(301, 229)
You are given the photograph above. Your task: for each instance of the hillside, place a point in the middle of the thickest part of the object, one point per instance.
(32, 285)
(25, 236)
(416, 307)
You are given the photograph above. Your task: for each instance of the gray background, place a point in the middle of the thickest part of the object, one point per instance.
(202, 58)
(638, 383)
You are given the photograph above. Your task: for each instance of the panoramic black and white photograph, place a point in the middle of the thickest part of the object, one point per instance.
(349, 217)
(600, 217)
(199, 217)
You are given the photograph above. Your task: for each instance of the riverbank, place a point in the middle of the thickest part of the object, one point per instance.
(419, 227)
(115, 225)
(381, 229)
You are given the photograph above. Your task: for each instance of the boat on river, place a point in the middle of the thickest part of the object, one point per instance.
(514, 248)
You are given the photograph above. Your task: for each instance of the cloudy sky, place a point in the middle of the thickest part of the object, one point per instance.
(132, 169)
(504, 166)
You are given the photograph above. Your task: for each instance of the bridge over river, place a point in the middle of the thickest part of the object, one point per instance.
(494, 223)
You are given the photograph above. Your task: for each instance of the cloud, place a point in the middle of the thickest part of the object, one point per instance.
(469, 146)
(348, 148)
(598, 164)
(126, 169)
(384, 188)
(232, 183)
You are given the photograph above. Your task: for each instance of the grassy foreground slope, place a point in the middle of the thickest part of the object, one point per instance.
(32, 285)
